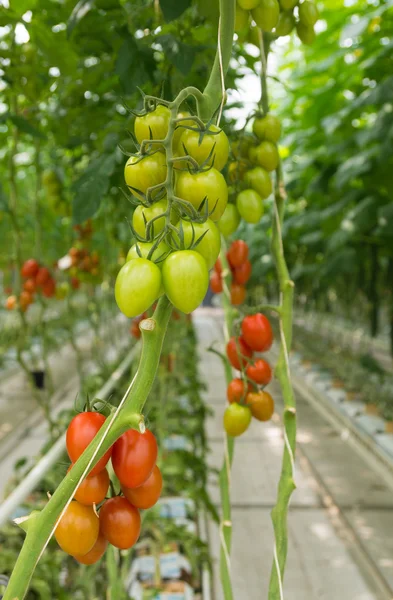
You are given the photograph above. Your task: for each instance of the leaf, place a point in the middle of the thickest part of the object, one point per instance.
(54, 46)
(91, 187)
(23, 125)
(80, 10)
(180, 55)
(134, 65)
(172, 9)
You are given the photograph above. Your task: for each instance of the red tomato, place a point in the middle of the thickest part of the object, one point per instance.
(260, 372)
(75, 283)
(238, 352)
(43, 276)
(237, 390)
(147, 494)
(134, 456)
(135, 331)
(81, 431)
(238, 294)
(120, 522)
(243, 273)
(77, 530)
(95, 553)
(257, 332)
(216, 283)
(237, 253)
(93, 489)
(49, 288)
(29, 286)
(218, 266)
(30, 268)
(25, 299)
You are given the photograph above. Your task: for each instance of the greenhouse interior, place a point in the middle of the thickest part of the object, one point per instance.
(196, 299)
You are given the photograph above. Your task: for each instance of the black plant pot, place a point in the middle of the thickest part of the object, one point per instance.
(39, 379)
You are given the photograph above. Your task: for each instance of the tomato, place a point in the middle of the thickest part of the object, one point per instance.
(134, 456)
(286, 23)
(210, 245)
(237, 418)
(43, 276)
(201, 145)
(151, 212)
(229, 221)
(248, 4)
(186, 279)
(77, 530)
(237, 390)
(252, 154)
(93, 489)
(259, 180)
(30, 268)
(308, 13)
(241, 20)
(267, 128)
(241, 146)
(257, 332)
(261, 405)
(179, 132)
(237, 253)
(138, 284)
(236, 170)
(144, 247)
(238, 294)
(306, 34)
(238, 352)
(288, 4)
(146, 495)
(250, 206)
(62, 290)
(216, 285)
(135, 331)
(142, 173)
(260, 372)
(49, 288)
(195, 187)
(243, 273)
(266, 14)
(25, 299)
(154, 125)
(267, 155)
(75, 283)
(81, 431)
(11, 302)
(29, 286)
(95, 553)
(218, 266)
(120, 522)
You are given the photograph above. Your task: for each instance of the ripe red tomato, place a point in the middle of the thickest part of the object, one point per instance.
(237, 418)
(81, 431)
(237, 253)
(261, 405)
(25, 299)
(257, 332)
(134, 456)
(216, 283)
(93, 489)
(30, 268)
(120, 522)
(29, 286)
(43, 276)
(218, 266)
(75, 283)
(49, 288)
(243, 273)
(260, 372)
(95, 553)
(135, 331)
(237, 390)
(146, 495)
(77, 530)
(238, 352)
(238, 294)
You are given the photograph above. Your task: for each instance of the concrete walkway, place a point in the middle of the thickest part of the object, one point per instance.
(327, 559)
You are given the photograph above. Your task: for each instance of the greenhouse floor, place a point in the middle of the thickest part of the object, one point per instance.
(341, 515)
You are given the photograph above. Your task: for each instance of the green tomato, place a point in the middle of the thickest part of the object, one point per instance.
(259, 180)
(267, 128)
(179, 132)
(237, 419)
(252, 154)
(149, 171)
(248, 4)
(145, 247)
(186, 279)
(154, 125)
(266, 14)
(62, 290)
(288, 4)
(242, 18)
(138, 285)
(306, 34)
(286, 23)
(209, 247)
(195, 187)
(229, 221)
(267, 155)
(200, 149)
(308, 13)
(250, 206)
(155, 210)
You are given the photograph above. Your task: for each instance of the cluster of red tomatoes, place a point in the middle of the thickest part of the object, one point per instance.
(241, 269)
(83, 261)
(36, 279)
(92, 520)
(246, 395)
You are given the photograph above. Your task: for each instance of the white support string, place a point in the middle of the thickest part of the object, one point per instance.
(278, 572)
(223, 92)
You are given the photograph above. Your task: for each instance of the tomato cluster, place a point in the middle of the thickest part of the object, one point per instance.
(246, 394)
(85, 529)
(277, 17)
(37, 278)
(241, 268)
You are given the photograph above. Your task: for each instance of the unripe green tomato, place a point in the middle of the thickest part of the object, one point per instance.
(308, 13)
(140, 174)
(137, 286)
(253, 36)
(259, 180)
(266, 14)
(288, 4)
(267, 155)
(306, 34)
(195, 187)
(229, 221)
(179, 131)
(248, 4)
(154, 125)
(286, 23)
(210, 245)
(236, 170)
(250, 206)
(62, 290)
(155, 210)
(186, 279)
(237, 419)
(216, 145)
(145, 247)
(242, 18)
(268, 128)
(240, 147)
(252, 154)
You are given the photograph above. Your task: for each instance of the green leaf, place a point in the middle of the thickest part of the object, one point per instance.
(134, 65)
(172, 9)
(80, 10)
(91, 187)
(23, 125)
(54, 46)
(180, 55)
